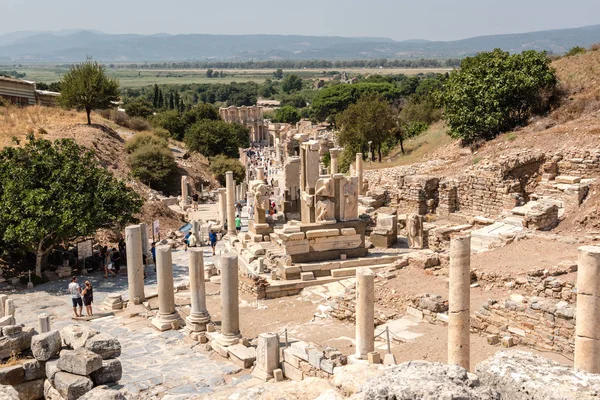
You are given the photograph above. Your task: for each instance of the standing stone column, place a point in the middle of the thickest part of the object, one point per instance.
(260, 173)
(222, 192)
(334, 153)
(587, 326)
(185, 193)
(230, 203)
(196, 231)
(359, 172)
(365, 312)
(144, 230)
(44, 322)
(199, 316)
(230, 313)
(267, 355)
(459, 323)
(166, 318)
(135, 264)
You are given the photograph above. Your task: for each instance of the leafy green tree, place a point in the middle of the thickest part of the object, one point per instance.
(154, 165)
(287, 114)
(291, 83)
(199, 112)
(209, 73)
(56, 192)
(143, 139)
(211, 138)
(155, 97)
(370, 119)
(139, 108)
(495, 91)
(87, 87)
(172, 122)
(219, 165)
(278, 74)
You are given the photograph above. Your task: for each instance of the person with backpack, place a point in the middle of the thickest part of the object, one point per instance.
(212, 237)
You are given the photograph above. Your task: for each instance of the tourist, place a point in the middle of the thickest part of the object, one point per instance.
(122, 249)
(251, 212)
(75, 292)
(88, 298)
(191, 242)
(212, 236)
(153, 252)
(116, 260)
(195, 199)
(238, 223)
(108, 264)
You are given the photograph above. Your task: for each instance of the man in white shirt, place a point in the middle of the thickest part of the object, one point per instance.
(75, 292)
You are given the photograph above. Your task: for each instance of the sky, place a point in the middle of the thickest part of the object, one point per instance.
(396, 19)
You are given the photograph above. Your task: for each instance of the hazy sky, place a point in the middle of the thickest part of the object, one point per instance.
(397, 19)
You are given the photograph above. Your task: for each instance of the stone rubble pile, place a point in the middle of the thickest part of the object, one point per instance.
(302, 360)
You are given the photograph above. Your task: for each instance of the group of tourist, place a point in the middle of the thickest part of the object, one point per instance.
(81, 297)
(111, 258)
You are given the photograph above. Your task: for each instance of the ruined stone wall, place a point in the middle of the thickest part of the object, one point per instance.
(578, 162)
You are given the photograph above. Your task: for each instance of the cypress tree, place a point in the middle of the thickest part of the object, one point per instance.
(161, 99)
(155, 101)
(171, 101)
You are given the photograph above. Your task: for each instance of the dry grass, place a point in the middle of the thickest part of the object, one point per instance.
(417, 149)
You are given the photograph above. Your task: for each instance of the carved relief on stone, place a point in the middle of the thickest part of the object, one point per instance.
(308, 199)
(325, 211)
(324, 187)
(414, 227)
(261, 203)
(349, 200)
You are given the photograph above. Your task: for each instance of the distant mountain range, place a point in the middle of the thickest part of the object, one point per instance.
(74, 45)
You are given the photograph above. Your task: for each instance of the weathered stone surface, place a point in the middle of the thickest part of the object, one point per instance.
(11, 375)
(103, 393)
(33, 370)
(46, 345)
(111, 371)
(71, 386)
(32, 390)
(75, 336)
(521, 375)
(10, 345)
(80, 361)
(8, 393)
(51, 368)
(12, 330)
(50, 393)
(105, 345)
(349, 378)
(425, 380)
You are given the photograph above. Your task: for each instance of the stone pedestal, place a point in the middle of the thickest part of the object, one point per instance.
(267, 356)
(199, 316)
(230, 311)
(185, 192)
(260, 173)
(135, 265)
(166, 318)
(587, 328)
(230, 204)
(459, 301)
(359, 172)
(222, 193)
(44, 322)
(333, 165)
(365, 312)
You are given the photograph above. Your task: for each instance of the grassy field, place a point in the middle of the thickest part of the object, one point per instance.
(132, 78)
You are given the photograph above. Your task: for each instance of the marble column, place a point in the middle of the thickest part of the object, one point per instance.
(587, 326)
(222, 192)
(230, 204)
(144, 231)
(185, 192)
(196, 231)
(44, 322)
(135, 264)
(359, 172)
(230, 311)
(260, 173)
(277, 152)
(459, 323)
(267, 355)
(365, 312)
(166, 318)
(333, 165)
(199, 316)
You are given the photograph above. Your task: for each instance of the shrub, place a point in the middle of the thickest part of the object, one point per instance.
(595, 47)
(575, 51)
(153, 165)
(144, 139)
(495, 91)
(211, 138)
(171, 121)
(287, 114)
(118, 117)
(220, 164)
(139, 108)
(138, 124)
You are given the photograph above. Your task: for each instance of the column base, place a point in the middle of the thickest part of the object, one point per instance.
(225, 340)
(196, 324)
(165, 322)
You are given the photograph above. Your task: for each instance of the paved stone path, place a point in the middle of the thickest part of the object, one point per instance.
(155, 364)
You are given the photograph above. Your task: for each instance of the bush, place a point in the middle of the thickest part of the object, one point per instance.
(118, 117)
(153, 165)
(575, 51)
(144, 139)
(139, 108)
(495, 91)
(211, 138)
(220, 164)
(138, 124)
(172, 122)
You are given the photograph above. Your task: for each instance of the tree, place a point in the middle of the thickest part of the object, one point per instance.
(153, 165)
(291, 83)
(86, 87)
(139, 108)
(55, 192)
(211, 138)
(171, 101)
(199, 112)
(287, 114)
(155, 97)
(219, 165)
(278, 74)
(495, 91)
(370, 119)
(209, 73)
(171, 121)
